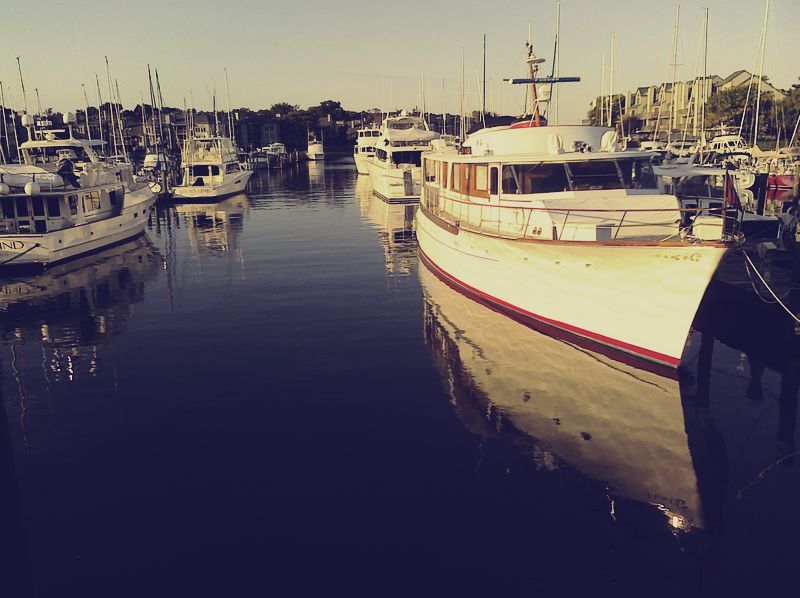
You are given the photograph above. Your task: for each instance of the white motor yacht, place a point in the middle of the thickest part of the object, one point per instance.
(395, 168)
(364, 149)
(558, 227)
(211, 170)
(64, 200)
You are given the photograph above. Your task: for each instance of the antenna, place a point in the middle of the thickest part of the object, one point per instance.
(483, 97)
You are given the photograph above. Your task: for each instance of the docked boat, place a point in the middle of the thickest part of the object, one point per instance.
(395, 169)
(64, 200)
(559, 227)
(211, 170)
(315, 151)
(364, 149)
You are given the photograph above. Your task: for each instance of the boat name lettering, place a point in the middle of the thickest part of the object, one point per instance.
(11, 244)
(677, 257)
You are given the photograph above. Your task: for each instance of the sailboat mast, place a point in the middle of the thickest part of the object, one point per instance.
(160, 114)
(99, 108)
(228, 107)
(760, 72)
(22, 84)
(611, 83)
(705, 76)
(86, 111)
(119, 116)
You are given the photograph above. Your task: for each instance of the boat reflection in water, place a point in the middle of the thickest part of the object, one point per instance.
(214, 229)
(73, 307)
(395, 226)
(570, 407)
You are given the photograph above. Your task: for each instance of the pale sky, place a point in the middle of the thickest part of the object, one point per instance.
(370, 53)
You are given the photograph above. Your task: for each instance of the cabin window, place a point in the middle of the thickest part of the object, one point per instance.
(38, 205)
(229, 168)
(543, 177)
(53, 207)
(481, 178)
(413, 158)
(22, 206)
(214, 170)
(91, 201)
(443, 166)
(594, 174)
(430, 171)
(199, 170)
(8, 207)
(493, 180)
(637, 174)
(456, 178)
(40, 226)
(113, 197)
(73, 205)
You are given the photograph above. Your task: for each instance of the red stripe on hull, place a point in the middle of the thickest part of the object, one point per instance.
(535, 321)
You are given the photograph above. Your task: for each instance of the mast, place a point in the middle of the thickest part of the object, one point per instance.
(119, 116)
(161, 112)
(705, 78)
(4, 126)
(483, 97)
(461, 121)
(22, 84)
(228, 106)
(760, 72)
(113, 132)
(99, 109)
(556, 65)
(611, 83)
(86, 111)
(144, 120)
(602, 90)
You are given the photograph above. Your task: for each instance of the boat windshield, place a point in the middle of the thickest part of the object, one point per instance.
(554, 177)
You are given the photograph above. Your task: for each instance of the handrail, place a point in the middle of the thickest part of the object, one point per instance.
(511, 221)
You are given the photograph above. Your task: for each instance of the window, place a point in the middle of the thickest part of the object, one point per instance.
(444, 167)
(113, 197)
(413, 158)
(456, 178)
(214, 170)
(480, 176)
(594, 174)
(431, 166)
(493, 180)
(53, 207)
(229, 168)
(22, 206)
(199, 170)
(535, 178)
(91, 201)
(8, 207)
(637, 174)
(38, 205)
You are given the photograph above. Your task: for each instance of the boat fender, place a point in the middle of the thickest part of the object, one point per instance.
(32, 188)
(4, 189)
(555, 144)
(608, 142)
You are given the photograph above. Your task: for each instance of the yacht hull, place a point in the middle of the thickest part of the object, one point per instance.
(231, 185)
(56, 246)
(395, 185)
(638, 299)
(361, 164)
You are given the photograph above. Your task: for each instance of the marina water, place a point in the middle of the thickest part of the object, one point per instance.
(272, 395)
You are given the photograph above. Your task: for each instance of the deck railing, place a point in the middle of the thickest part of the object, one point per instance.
(578, 224)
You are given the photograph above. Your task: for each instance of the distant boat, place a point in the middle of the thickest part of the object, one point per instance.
(316, 150)
(211, 170)
(395, 169)
(364, 150)
(64, 201)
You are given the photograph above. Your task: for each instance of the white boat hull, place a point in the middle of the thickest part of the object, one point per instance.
(395, 185)
(231, 185)
(361, 163)
(640, 299)
(56, 246)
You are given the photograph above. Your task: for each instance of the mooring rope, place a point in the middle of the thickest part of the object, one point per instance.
(766, 286)
(19, 255)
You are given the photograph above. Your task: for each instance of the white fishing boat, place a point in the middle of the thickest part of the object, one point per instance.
(559, 227)
(395, 169)
(569, 408)
(364, 149)
(315, 151)
(211, 170)
(64, 200)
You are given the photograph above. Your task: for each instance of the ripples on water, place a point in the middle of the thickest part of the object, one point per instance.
(270, 393)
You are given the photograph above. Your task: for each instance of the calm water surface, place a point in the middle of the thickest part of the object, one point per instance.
(270, 396)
